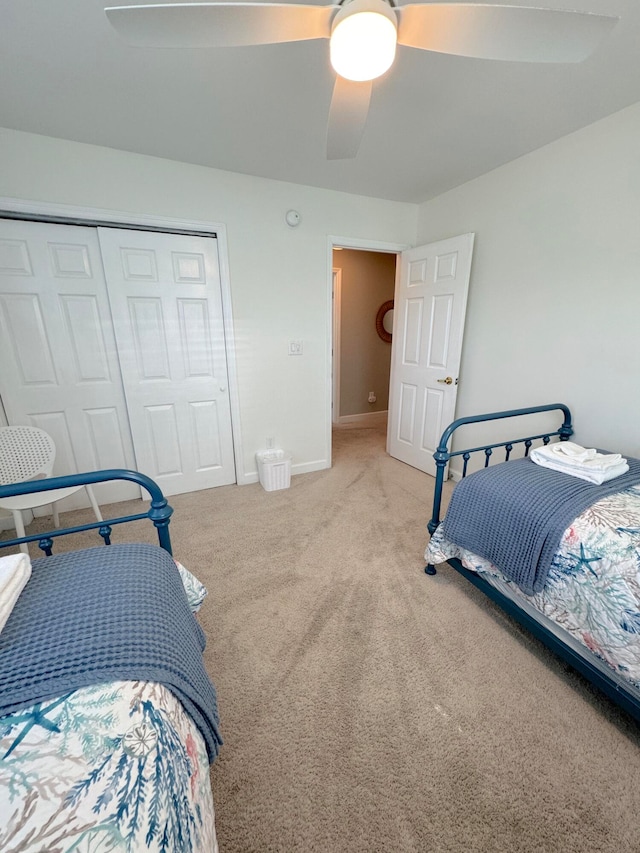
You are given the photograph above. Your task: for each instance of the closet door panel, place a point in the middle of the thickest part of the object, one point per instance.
(164, 292)
(60, 369)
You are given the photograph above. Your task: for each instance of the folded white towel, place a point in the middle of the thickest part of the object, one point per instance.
(584, 470)
(575, 454)
(15, 571)
(569, 450)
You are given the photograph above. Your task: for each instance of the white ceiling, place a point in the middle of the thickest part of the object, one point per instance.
(436, 121)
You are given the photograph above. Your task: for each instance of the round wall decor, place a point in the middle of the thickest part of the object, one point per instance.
(384, 321)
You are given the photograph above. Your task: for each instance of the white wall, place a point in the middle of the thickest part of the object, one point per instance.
(554, 299)
(280, 277)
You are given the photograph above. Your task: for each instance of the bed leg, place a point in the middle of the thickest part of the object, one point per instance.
(430, 570)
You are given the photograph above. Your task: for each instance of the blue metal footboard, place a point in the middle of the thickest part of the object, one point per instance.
(159, 511)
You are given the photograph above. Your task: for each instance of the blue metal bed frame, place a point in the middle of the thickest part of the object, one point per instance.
(584, 661)
(159, 511)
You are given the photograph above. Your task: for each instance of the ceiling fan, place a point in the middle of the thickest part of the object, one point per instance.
(363, 37)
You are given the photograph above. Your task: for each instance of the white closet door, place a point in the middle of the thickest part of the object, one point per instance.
(60, 370)
(164, 291)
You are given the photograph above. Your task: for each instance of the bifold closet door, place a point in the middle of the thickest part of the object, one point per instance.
(164, 292)
(59, 367)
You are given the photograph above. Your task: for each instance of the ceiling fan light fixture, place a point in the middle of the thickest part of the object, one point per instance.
(363, 40)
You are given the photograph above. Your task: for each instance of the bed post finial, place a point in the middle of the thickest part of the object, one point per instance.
(566, 430)
(441, 457)
(160, 513)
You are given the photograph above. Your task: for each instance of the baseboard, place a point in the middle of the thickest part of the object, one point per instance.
(301, 468)
(310, 467)
(365, 419)
(247, 478)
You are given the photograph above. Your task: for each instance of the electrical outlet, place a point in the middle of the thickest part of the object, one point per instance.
(270, 443)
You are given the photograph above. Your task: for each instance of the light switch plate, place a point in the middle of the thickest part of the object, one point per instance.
(295, 347)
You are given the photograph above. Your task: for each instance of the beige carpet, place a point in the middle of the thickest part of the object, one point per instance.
(366, 707)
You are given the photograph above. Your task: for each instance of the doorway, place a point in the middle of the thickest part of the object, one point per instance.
(363, 289)
(344, 243)
(430, 303)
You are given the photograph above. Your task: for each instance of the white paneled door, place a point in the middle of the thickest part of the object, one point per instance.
(164, 291)
(429, 312)
(59, 367)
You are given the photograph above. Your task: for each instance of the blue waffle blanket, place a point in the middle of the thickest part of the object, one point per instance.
(113, 613)
(514, 514)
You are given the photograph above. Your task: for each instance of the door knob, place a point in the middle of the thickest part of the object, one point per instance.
(446, 381)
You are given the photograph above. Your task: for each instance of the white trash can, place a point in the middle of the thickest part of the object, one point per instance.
(274, 469)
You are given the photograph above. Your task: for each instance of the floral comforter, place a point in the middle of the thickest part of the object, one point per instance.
(593, 587)
(114, 767)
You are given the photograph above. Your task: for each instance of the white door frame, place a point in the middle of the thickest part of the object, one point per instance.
(6, 519)
(345, 243)
(336, 274)
(77, 215)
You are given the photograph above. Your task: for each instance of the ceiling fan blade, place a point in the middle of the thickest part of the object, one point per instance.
(515, 33)
(233, 24)
(347, 118)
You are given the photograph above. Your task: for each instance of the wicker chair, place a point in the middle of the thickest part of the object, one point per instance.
(28, 453)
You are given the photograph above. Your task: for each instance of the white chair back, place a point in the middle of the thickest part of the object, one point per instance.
(26, 453)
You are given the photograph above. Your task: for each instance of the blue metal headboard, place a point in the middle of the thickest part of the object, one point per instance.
(159, 511)
(443, 454)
